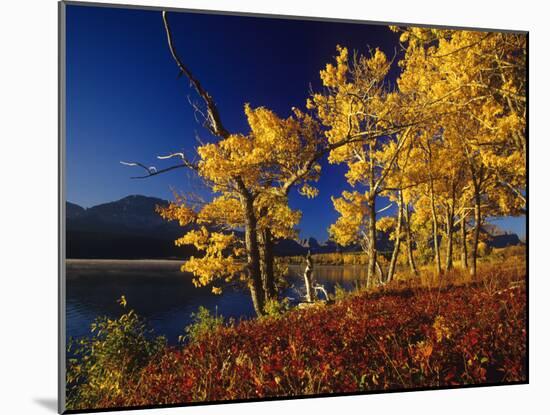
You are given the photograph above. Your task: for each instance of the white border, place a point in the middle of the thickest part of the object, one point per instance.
(29, 209)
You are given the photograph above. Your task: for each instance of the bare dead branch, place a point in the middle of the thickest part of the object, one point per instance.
(214, 123)
(384, 208)
(185, 161)
(151, 171)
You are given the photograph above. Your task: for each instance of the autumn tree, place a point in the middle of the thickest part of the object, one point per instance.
(476, 82)
(358, 106)
(250, 176)
(398, 185)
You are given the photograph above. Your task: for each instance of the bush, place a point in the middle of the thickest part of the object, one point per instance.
(421, 338)
(339, 292)
(203, 324)
(276, 308)
(105, 364)
(483, 249)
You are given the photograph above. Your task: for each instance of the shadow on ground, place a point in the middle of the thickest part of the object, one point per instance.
(48, 403)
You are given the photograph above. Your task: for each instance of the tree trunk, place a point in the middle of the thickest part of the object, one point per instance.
(257, 297)
(449, 248)
(397, 241)
(477, 228)
(268, 275)
(381, 276)
(437, 257)
(253, 254)
(308, 279)
(450, 228)
(371, 208)
(464, 242)
(410, 255)
(372, 240)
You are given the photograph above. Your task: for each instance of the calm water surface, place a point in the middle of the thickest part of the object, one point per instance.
(166, 297)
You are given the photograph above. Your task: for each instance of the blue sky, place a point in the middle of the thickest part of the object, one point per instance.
(124, 101)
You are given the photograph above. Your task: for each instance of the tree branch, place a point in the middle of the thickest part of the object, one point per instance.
(385, 208)
(215, 125)
(151, 171)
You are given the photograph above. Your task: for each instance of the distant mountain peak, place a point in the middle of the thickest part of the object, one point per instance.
(134, 213)
(133, 198)
(72, 210)
(310, 243)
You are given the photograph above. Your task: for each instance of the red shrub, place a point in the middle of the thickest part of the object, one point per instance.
(462, 335)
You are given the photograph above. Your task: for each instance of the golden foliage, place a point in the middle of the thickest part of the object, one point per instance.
(224, 210)
(351, 222)
(451, 131)
(181, 213)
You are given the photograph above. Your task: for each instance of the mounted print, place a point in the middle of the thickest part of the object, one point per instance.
(264, 207)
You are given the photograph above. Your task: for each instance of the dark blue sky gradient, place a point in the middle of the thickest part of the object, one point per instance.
(124, 101)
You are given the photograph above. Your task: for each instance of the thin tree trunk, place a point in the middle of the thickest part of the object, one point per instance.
(450, 232)
(477, 228)
(464, 242)
(437, 257)
(477, 181)
(449, 248)
(257, 297)
(371, 207)
(397, 241)
(410, 255)
(381, 276)
(372, 241)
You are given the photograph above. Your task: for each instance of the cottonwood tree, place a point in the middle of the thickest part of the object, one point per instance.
(358, 105)
(250, 176)
(477, 82)
(358, 100)
(462, 102)
(397, 188)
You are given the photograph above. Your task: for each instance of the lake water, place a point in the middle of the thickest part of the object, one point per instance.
(166, 297)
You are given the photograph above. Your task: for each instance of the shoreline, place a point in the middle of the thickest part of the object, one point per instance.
(69, 261)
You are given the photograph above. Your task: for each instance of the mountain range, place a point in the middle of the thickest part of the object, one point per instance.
(126, 229)
(130, 228)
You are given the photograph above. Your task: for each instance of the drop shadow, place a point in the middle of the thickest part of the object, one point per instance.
(48, 403)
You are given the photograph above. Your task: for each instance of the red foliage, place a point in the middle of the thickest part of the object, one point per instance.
(459, 336)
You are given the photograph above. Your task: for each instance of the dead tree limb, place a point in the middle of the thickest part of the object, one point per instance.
(308, 279)
(213, 120)
(153, 171)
